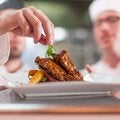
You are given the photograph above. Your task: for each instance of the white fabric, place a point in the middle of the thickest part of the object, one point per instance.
(13, 79)
(4, 53)
(4, 48)
(102, 68)
(24, 68)
(99, 6)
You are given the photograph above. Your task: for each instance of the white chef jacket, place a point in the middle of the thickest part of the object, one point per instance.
(4, 53)
(102, 68)
(4, 48)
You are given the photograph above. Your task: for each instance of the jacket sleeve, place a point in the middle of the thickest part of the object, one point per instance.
(4, 48)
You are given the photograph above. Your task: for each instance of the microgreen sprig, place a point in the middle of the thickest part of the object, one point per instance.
(50, 51)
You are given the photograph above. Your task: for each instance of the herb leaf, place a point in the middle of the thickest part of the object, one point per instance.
(50, 51)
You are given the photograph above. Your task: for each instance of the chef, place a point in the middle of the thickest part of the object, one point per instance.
(105, 18)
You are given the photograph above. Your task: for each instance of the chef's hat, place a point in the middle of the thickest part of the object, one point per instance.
(99, 6)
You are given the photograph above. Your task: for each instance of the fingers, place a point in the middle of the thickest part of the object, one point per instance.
(30, 22)
(43, 39)
(35, 24)
(89, 68)
(22, 22)
(46, 23)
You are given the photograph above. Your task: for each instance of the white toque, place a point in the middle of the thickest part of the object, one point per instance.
(99, 6)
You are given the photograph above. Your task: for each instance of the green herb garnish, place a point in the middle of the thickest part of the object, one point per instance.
(50, 51)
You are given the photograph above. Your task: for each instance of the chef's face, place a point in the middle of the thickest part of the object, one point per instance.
(17, 45)
(106, 29)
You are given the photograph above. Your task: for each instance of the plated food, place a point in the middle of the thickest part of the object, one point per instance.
(56, 67)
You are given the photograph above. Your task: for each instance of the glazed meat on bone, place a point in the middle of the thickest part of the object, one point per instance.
(60, 67)
(51, 67)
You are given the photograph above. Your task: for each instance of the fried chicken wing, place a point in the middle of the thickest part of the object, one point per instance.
(66, 62)
(51, 67)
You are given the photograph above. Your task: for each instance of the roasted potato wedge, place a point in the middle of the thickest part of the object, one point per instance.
(37, 77)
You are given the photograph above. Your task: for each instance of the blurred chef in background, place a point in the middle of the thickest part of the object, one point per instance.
(17, 43)
(105, 17)
(15, 62)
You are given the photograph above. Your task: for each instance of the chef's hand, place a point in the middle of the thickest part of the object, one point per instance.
(28, 22)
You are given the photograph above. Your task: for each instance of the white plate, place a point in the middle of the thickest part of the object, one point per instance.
(52, 89)
(66, 87)
(100, 78)
(91, 83)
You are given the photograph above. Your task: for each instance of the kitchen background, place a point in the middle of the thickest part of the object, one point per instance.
(72, 31)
